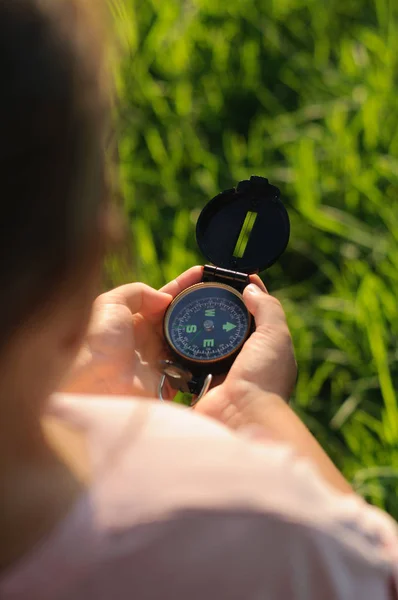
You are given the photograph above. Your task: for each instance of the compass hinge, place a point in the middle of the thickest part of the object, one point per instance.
(233, 278)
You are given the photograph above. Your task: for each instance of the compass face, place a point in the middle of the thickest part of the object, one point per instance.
(207, 322)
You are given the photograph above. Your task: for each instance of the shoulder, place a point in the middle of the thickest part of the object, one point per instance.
(142, 446)
(232, 554)
(185, 493)
(194, 461)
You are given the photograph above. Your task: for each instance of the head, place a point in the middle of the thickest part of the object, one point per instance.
(53, 121)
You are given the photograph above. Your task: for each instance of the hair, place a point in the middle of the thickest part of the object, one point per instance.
(53, 121)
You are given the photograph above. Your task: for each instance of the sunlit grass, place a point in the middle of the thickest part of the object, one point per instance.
(306, 95)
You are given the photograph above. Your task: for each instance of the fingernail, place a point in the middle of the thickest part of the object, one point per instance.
(252, 288)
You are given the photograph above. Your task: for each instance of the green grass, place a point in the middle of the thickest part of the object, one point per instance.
(305, 93)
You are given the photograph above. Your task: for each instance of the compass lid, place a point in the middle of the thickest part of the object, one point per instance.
(245, 228)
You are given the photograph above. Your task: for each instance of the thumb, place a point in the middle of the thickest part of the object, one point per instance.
(267, 358)
(138, 297)
(265, 309)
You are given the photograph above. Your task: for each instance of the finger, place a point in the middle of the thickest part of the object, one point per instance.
(190, 277)
(265, 308)
(259, 282)
(139, 298)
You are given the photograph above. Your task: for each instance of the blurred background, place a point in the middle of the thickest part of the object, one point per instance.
(303, 92)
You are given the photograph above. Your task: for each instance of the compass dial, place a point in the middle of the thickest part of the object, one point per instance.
(207, 323)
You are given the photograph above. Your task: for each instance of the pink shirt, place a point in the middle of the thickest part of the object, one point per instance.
(182, 509)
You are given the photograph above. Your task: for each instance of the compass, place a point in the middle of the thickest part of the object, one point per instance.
(241, 231)
(207, 324)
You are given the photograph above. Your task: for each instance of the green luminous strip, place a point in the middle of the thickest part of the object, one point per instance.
(244, 235)
(183, 398)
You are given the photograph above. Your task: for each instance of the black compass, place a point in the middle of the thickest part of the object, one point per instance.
(241, 231)
(207, 324)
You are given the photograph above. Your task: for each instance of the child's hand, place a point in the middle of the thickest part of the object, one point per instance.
(125, 340)
(265, 369)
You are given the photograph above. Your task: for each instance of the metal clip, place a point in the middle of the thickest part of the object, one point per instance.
(204, 390)
(177, 376)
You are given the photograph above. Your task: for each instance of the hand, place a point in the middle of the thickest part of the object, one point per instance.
(266, 363)
(253, 396)
(125, 340)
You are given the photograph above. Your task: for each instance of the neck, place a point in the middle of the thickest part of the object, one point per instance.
(38, 487)
(21, 436)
